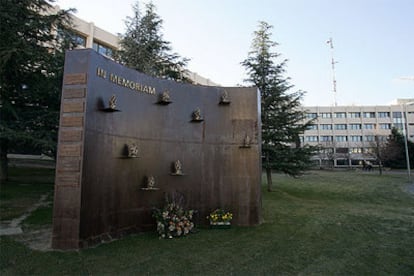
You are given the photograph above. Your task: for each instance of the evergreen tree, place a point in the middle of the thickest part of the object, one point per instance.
(145, 50)
(32, 43)
(394, 151)
(282, 118)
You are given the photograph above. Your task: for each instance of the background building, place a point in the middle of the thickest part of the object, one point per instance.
(90, 36)
(349, 134)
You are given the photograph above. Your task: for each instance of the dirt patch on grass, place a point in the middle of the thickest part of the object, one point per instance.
(39, 239)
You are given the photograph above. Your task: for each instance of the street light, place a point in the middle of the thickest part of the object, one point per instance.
(405, 133)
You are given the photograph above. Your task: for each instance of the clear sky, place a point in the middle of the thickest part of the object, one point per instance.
(373, 41)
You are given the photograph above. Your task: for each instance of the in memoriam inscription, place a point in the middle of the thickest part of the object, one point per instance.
(133, 85)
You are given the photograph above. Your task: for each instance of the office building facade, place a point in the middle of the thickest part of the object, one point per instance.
(348, 135)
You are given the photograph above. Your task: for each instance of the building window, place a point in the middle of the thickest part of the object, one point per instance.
(326, 115)
(341, 138)
(369, 138)
(369, 150)
(79, 40)
(102, 49)
(356, 138)
(355, 150)
(326, 126)
(397, 114)
(326, 150)
(311, 138)
(369, 114)
(369, 126)
(397, 120)
(354, 114)
(311, 115)
(382, 138)
(340, 126)
(383, 114)
(312, 127)
(340, 115)
(385, 126)
(342, 162)
(326, 138)
(355, 126)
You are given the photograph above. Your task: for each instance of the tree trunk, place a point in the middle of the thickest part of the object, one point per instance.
(4, 174)
(269, 179)
(380, 167)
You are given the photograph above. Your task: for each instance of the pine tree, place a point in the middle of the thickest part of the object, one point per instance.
(32, 43)
(394, 152)
(145, 50)
(282, 118)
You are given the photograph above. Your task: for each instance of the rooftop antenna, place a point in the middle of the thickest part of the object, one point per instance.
(330, 42)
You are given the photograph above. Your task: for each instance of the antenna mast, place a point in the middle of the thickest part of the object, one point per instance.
(330, 41)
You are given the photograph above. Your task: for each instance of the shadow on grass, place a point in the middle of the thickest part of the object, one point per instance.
(323, 223)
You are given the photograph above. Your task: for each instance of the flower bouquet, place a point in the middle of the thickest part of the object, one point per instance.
(173, 221)
(220, 218)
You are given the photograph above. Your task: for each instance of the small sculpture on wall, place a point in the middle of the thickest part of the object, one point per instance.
(247, 141)
(150, 184)
(177, 168)
(196, 115)
(224, 98)
(164, 98)
(111, 105)
(112, 102)
(133, 150)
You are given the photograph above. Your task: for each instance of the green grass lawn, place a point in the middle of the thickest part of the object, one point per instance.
(24, 188)
(327, 223)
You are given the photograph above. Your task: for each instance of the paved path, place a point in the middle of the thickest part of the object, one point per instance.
(39, 239)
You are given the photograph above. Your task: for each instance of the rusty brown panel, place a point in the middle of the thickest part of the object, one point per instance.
(217, 172)
(76, 78)
(71, 121)
(70, 135)
(69, 107)
(70, 93)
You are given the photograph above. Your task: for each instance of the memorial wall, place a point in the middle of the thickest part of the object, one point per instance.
(127, 140)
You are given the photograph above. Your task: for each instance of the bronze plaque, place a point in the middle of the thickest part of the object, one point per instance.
(73, 107)
(67, 178)
(68, 164)
(124, 131)
(69, 150)
(71, 121)
(77, 78)
(71, 135)
(70, 93)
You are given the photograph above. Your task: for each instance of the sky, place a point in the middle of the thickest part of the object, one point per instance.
(373, 41)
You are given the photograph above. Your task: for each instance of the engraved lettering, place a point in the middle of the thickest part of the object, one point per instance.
(131, 84)
(101, 73)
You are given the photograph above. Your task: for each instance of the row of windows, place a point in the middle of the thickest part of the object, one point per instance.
(80, 40)
(354, 126)
(343, 138)
(370, 114)
(102, 49)
(347, 150)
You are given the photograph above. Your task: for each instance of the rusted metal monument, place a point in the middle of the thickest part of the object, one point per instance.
(126, 140)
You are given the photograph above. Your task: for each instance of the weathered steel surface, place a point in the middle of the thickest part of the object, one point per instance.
(98, 188)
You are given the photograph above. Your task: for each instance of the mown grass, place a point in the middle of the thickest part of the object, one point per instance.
(23, 189)
(322, 223)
